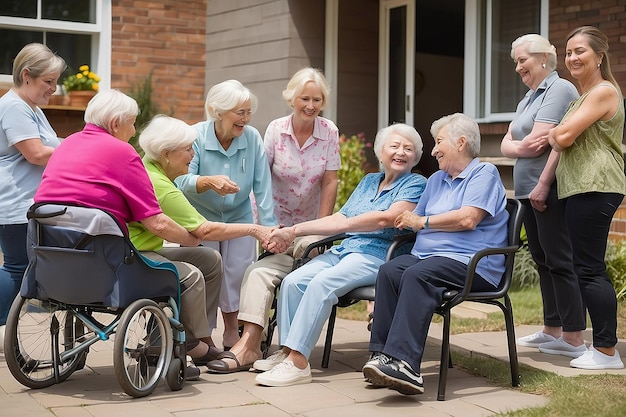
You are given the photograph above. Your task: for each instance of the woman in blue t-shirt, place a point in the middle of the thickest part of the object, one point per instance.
(26, 143)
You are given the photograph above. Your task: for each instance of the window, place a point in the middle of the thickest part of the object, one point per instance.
(77, 30)
(493, 88)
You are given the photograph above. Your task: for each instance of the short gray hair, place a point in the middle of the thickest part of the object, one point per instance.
(226, 96)
(38, 60)
(403, 130)
(459, 125)
(165, 133)
(110, 106)
(536, 44)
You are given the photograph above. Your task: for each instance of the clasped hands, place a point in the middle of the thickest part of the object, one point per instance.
(277, 239)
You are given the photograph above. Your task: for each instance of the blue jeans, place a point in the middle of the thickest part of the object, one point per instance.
(308, 294)
(13, 247)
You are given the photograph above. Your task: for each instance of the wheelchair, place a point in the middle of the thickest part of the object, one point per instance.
(85, 283)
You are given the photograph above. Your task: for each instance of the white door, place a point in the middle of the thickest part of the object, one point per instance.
(396, 62)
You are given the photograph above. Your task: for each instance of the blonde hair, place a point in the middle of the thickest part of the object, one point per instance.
(37, 59)
(165, 133)
(300, 79)
(536, 44)
(226, 96)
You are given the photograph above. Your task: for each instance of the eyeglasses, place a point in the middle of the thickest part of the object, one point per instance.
(242, 113)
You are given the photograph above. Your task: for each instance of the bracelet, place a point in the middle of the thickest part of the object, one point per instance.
(426, 224)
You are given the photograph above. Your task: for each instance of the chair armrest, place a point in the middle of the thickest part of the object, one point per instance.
(321, 246)
(471, 270)
(398, 242)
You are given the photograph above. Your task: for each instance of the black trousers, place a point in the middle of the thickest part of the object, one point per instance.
(588, 218)
(550, 247)
(408, 290)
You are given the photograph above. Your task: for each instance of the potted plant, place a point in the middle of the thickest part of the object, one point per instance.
(81, 86)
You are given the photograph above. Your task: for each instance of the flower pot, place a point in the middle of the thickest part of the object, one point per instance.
(59, 100)
(80, 98)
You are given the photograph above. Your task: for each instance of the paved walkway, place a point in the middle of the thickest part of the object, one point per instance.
(336, 391)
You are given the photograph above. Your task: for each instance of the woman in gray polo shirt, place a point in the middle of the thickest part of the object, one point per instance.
(541, 109)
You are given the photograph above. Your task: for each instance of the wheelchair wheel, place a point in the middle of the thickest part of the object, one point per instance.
(39, 335)
(175, 375)
(143, 348)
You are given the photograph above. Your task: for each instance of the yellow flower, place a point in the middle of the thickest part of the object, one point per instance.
(83, 80)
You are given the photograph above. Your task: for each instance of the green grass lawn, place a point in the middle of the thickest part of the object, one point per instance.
(580, 396)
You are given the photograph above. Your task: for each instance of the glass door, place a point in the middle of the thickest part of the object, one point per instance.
(396, 62)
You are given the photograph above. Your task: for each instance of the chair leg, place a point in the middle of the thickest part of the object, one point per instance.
(329, 336)
(445, 360)
(510, 334)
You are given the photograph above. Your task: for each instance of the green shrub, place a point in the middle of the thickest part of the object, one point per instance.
(525, 274)
(615, 259)
(142, 93)
(352, 169)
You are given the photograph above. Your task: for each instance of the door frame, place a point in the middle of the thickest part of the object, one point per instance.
(383, 60)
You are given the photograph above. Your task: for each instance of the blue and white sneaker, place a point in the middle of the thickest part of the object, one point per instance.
(395, 374)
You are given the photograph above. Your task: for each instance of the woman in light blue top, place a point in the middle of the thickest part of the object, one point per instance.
(26, 143)
(307, 294)
(229, 164)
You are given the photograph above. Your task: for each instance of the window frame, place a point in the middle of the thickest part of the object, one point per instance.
(100, 33)
(478, 35)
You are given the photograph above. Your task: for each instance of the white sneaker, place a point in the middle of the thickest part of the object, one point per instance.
(271, 361)
(594, 359)
(2, 338)
(535, 339)
(285, 374)
(561, 347)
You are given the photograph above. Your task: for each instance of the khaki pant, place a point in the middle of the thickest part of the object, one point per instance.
(262, 277)
(200, 274)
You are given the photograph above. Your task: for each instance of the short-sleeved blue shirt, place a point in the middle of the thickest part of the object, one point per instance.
(365, 198)
(479, 185)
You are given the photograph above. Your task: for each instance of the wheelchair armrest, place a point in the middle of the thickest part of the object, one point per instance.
(321, 246)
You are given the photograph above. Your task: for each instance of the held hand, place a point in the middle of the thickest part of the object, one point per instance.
(539, 145)
(407, 220)
(280, 239)
(223, 185)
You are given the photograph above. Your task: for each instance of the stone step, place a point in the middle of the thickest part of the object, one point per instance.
(474, 310)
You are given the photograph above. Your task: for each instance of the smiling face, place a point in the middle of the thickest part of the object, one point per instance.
(37, 91)
(308, 104)
(398, 155)
(580, 59)
(179, 160)
(231, 123)
(445, 152)
(529, 67)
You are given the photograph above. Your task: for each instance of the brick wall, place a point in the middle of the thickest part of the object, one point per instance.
(168, 38)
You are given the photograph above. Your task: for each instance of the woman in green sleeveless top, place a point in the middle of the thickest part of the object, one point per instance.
(590, 176)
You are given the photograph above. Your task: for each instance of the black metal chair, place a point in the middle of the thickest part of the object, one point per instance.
(498, 297)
